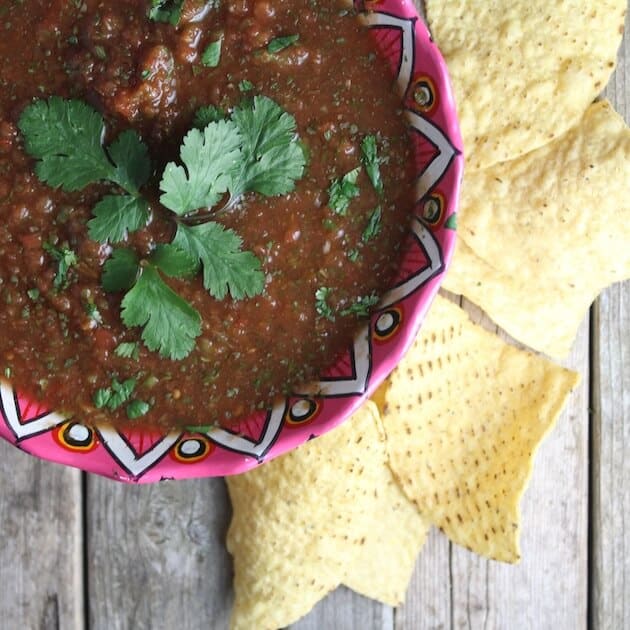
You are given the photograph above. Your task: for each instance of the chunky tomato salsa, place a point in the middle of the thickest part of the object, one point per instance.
(201, 200)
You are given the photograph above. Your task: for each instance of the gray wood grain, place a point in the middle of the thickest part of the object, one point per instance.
(610, 514)
(345, 610)
(610, 454)
(41, 572)
(548, 589)
(156, 555)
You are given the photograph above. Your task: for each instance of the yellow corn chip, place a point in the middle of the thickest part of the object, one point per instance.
(524, 71)
(397, 532)
(464, 414)
(314, 518)
(544, 234)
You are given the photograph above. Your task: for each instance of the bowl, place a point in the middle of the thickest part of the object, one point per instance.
(421, 80)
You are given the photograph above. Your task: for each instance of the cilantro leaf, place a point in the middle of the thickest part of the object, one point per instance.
(127, 350)
(342, 191)
(120, 270)
(65, 258)
(361, 307)
(373, 228)
(226, 268)
(114, 216)
(174, 262)
(371, 162)
(170, 324)
(210, 158)
(65, 136)
(322, 307)
(272, 156)
(212, 54)
(168, 11)
(206, 115)
(131, 160)
(280, 43)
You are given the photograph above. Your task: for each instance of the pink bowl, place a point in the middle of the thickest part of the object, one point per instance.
(134, 456)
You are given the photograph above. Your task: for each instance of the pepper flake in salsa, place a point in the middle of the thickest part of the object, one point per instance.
(200, 200)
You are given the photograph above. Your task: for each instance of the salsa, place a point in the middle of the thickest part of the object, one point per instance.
(324, 251)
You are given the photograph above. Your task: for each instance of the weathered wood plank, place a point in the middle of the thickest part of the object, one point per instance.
(610, 453)
(428, 603)
(41, 555)
(610, 587)
(463, 590)
(548, 589)
(156, 555)
(345, 610)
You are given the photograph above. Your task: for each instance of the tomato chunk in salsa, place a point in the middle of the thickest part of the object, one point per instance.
(150, 67)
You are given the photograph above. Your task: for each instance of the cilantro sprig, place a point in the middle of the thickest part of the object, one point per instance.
(255, 150)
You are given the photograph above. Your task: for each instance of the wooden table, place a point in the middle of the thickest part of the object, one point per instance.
(79, 551)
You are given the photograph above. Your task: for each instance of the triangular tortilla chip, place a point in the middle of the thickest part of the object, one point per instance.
(524, 71)
(326, 513)
(464, 414)
(544, 234)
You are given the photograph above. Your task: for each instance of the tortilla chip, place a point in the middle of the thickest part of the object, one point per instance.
(563, 216)
(397, 533)
(524, 71)
(316, 517)
(464, 414)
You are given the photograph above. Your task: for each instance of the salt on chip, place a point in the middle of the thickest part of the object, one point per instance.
(314, 518)
(524, 71)
(464, 414)
(563, 216)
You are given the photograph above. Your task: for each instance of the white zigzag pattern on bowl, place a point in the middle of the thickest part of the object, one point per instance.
(247, 446)
(13, 417)
(135, 464)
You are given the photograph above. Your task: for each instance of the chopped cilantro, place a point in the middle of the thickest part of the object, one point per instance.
(321, 303)
(114, 396)
(361, 307)
(353, 255)
(245, 85)
(168, 11)
(93, 313)
(33, 294)
(206, 115)
(137, 408)
(280, 43)
(342, 191)
(212, 54)
(371, 162)
(373, 227)
(127, 350)
(65, 258)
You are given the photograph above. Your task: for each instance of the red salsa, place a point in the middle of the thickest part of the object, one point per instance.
(150, 66)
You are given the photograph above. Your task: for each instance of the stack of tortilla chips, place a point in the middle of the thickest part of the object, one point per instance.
(450, 437)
